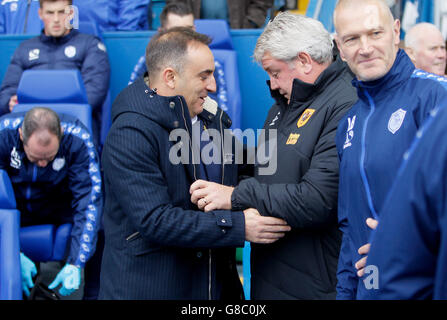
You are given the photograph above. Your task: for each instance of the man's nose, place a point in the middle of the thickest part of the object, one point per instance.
(365, 46)
(273, 83)
(211, 86)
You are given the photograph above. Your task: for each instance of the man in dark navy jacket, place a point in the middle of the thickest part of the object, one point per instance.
(59, 47)
(54, 170)
(158, 244)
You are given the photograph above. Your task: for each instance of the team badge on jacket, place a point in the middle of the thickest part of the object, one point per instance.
(33, 54)
(293, 138)
(396, 120)
(305, 117)
(58, 164)
(70, 51)
(16, 161)
(349, 132)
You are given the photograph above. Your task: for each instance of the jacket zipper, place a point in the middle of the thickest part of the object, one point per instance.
(28, 191)
(195, 178)
(362, 158)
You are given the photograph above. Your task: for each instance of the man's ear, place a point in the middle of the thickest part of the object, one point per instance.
(169, 77)
(39, 12)
(20, 134)
(305, 61)
(337, 42)
(410, 52)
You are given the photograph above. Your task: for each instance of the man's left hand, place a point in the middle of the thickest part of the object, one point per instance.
(210, 196)
(361, 264)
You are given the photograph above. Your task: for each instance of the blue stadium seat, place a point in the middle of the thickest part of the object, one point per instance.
(61, 90)
(10, 279)
(218, 31)
(46, 242)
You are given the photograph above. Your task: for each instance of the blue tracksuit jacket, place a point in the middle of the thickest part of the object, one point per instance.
(73, 51)
(68, 189)
(409, 247)
(20, 17)
(371, 141)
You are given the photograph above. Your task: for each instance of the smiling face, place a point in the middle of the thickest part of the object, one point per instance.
(368, 38)
(41, 148)
(197, 79)
(54, 16)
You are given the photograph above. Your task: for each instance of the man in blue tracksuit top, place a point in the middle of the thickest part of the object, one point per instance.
(59, 47)
(394, 100)
(409, 247)
(21, 16)
(54, 170)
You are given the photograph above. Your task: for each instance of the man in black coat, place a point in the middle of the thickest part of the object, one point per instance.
(312, 89)
(158, 244)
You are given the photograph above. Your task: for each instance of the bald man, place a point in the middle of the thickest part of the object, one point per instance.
(394, 100)
(425, 46)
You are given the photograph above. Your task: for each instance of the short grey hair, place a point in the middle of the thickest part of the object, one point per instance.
(289, 34)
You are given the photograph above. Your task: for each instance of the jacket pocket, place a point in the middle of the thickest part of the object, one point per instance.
(138, 246)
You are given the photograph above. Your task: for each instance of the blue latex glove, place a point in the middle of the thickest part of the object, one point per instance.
(28, 270)
(69, 277)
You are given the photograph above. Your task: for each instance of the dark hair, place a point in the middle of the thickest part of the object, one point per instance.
(70, 2)
(41, 118)
(181, 9)
(168, 48)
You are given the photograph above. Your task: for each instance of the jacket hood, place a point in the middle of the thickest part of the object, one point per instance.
(303, 91)
(170, 112)
(400, 72)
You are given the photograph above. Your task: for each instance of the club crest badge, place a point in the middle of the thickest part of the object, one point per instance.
(396, 120)
(70, 51)
(58, 164)
(305, 117)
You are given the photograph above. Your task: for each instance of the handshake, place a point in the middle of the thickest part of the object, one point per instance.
(210, 196)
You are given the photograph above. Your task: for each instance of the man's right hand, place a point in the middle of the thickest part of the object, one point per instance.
(259, 229)
(12, 102)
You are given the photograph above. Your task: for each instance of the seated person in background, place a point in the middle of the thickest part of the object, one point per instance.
(56, 179)
(20, 17)
(173, 15)
(59, 47)
(425, 46)
(114, 15)
(241, 14)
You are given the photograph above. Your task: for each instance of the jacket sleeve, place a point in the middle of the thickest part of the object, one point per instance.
(139, 185)
(133, 15)
(85, 184)
(11, 80)
(95, 72)
(310, 203)
(257, 13)
(347, 279)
